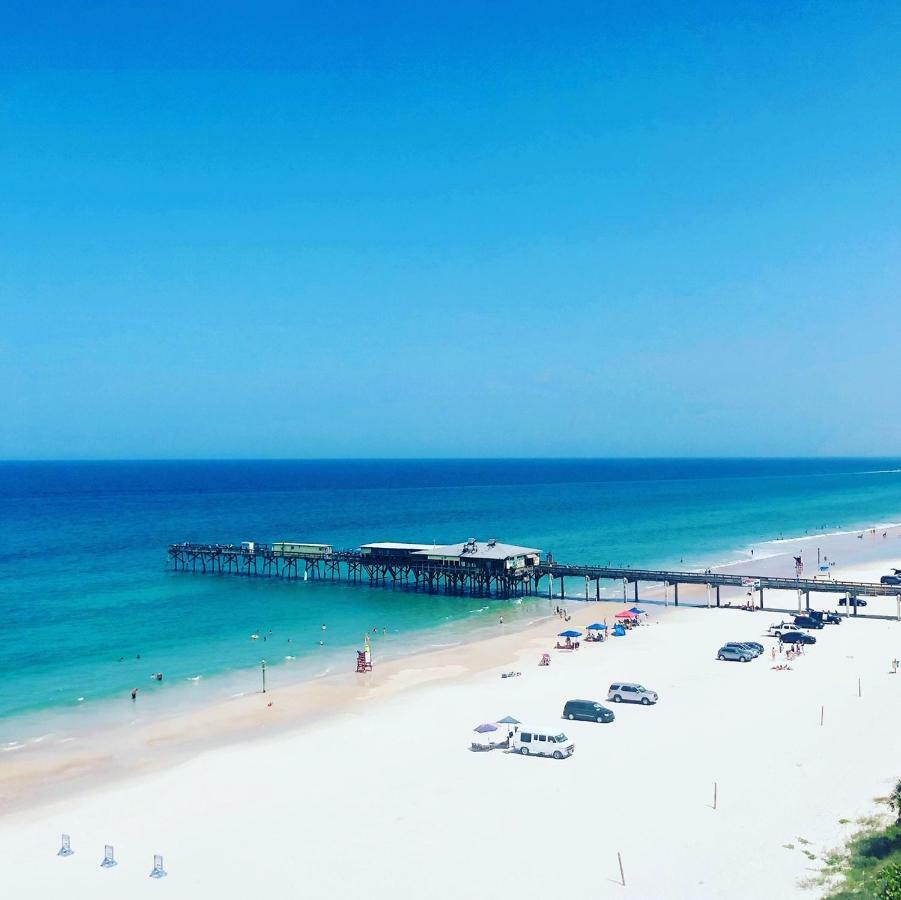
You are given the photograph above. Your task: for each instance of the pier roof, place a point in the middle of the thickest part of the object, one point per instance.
(480, 550)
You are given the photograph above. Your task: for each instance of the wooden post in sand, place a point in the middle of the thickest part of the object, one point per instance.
(622, 874)
(858, 688)
(714, 794)
(822, 709)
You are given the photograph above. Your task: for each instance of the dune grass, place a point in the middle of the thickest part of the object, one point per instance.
(870, 865)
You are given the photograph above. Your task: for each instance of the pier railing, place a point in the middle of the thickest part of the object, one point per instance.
(485, 577)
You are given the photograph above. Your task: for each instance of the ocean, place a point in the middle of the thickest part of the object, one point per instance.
(89, 609)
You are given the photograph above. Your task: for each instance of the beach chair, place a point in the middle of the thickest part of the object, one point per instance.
(108, 860)
(158, 870)
(66, 847)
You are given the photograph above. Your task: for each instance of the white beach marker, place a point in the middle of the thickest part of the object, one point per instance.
(158, 870)
(822, 709)
(108, 859)
(622, 874)
(66, 848)
(714, 794)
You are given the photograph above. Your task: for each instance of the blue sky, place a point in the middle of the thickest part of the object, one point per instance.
(522, 229)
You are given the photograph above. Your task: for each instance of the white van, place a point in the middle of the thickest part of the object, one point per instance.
(542, 743)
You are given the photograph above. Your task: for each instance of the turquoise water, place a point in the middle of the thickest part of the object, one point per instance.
(84, 584)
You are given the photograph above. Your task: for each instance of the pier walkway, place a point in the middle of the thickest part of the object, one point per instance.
(487, 574)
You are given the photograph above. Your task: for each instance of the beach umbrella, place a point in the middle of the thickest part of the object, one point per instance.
(596, 627)
(637, 611)
(485, 728)
(625, 614)
(510, 722)
(570, 634)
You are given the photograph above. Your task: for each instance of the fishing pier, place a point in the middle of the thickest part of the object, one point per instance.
(491, 568)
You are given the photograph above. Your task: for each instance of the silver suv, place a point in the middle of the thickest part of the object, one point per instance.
(624, 692)
(735, 652)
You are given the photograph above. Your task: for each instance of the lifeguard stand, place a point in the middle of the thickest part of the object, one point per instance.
(364, 661)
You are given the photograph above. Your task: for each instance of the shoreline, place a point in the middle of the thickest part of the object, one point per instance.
(221, 685)
(115, 753)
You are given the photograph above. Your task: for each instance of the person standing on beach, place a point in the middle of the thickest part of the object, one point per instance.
(134, 694)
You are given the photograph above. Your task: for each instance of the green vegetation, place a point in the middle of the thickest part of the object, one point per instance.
(870, 866)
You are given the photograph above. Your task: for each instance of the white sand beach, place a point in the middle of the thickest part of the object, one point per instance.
(369, 788)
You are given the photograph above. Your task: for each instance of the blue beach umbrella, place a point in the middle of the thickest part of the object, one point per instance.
(597, 627)
(485, 727)
(570, 634)
(508, 720)
(637, 611)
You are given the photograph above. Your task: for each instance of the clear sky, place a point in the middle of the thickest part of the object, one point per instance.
(505, 229)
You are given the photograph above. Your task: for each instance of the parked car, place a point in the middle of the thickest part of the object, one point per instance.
(808, 622)
(744, 647)
(587, 711)
(852, 601)
(755, 646)
(631, 693)
(890, 579)
(827, 618)
(735, 653)
(797, 637)
(542, 743)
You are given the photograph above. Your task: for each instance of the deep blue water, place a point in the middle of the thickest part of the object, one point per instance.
(84, 581)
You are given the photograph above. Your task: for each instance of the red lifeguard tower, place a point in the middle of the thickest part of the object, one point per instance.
(364, 661)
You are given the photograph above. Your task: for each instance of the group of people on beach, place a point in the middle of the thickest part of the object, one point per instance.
(791, 651)
(563, 613)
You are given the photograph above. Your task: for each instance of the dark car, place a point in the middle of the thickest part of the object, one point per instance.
(797, 637)
(890, 579)
(852, 601)
(587, 711)
(808, 622)
(755, 646)
(827, 618)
